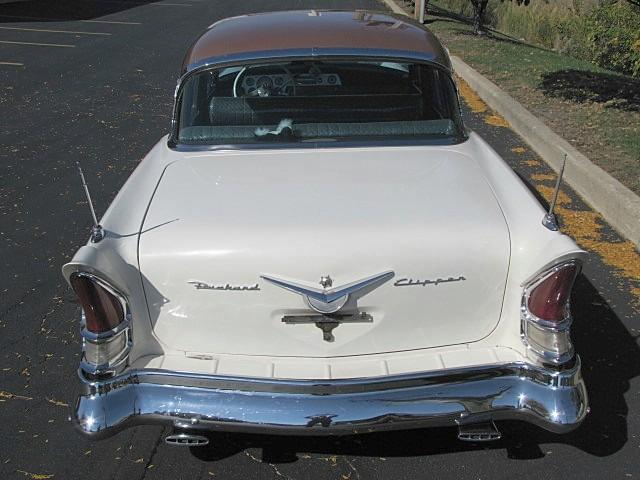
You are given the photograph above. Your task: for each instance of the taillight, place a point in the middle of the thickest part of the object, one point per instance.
(105, 326)
(103, 310)
(545, 314)
(548, 300)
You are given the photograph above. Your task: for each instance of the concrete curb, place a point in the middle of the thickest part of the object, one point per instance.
(619, 205)
(395, 8)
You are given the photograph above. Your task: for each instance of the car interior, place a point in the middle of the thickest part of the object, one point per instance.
(317, 99)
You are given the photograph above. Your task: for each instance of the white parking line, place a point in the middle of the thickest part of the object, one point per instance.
(13, 64)
(45, 19)
(49, 19)
(37, 44)
(114, 22)
(22, 29)
(145, 3)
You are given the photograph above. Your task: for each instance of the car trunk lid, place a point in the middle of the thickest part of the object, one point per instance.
(220, 220)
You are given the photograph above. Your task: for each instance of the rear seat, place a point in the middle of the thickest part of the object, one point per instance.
(344, 108)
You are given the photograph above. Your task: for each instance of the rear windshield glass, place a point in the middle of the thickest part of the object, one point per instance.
(310, 100)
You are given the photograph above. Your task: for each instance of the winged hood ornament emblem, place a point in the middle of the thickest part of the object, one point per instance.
(329, 299)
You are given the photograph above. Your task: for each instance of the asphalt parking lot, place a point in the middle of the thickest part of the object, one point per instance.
(92, 80)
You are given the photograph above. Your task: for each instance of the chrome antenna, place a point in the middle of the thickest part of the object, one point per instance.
(97, 233)
(549, 220)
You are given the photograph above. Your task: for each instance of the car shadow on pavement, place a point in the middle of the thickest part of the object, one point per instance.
(609, 360)
(52, 11)
(614, 91)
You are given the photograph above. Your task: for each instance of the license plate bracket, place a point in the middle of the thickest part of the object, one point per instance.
(327, 323)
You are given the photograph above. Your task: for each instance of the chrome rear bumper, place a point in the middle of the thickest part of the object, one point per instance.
(553, 400)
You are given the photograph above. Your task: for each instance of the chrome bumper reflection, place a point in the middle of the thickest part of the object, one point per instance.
(555, 401)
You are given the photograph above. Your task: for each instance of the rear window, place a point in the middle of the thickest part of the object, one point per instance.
(318, 101)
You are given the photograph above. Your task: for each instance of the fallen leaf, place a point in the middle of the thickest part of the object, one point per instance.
(35, 476)
(4, 394)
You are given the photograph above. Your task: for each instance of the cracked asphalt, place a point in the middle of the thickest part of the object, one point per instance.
(92, 80)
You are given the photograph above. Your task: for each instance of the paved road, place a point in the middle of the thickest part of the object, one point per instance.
(103, 95)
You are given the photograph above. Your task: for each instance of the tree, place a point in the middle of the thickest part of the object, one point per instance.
(479, 7)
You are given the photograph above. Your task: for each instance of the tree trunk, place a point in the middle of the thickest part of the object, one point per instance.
(479, 7)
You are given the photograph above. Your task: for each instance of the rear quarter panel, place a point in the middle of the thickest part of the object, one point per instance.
(534, 248)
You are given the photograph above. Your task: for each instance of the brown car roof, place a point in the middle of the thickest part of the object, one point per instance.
(315, 30)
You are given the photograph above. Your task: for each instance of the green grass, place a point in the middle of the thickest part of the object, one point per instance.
(516, 60)
(584, 105)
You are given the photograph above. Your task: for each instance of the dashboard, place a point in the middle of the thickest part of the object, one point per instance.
(284, 83)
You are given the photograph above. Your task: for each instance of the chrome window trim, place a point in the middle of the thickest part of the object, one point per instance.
(274, 56)
(193, 147)
(292, 53)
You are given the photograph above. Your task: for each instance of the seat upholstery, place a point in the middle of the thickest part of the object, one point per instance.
(344, 108)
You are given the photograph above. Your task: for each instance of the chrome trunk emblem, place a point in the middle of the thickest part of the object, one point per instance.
(208, 286)
(410, 282)
(331, 300)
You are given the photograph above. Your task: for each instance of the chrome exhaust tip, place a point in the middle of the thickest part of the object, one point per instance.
(479, 432)
(184, 439)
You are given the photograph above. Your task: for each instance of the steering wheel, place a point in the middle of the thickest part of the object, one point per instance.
(265, 91)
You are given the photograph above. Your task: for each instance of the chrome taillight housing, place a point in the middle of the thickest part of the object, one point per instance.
(104, 325)
(546, 315)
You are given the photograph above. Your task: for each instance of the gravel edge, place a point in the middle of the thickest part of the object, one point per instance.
(618, 204)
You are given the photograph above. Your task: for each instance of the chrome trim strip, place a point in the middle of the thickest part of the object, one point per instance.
(125, 323)
(549, 377)
(104, 336)
(315, 52)
(113, 367)
(567, 257)
(184, 147)
(552, 399)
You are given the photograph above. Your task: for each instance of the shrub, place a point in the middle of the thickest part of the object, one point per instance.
(465, 8)
(614, 36)
(604, 32)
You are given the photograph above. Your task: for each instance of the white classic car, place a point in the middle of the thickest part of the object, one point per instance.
(320, 246)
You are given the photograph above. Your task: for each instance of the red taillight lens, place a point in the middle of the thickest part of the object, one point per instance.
(548, 299)
(103, 311)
